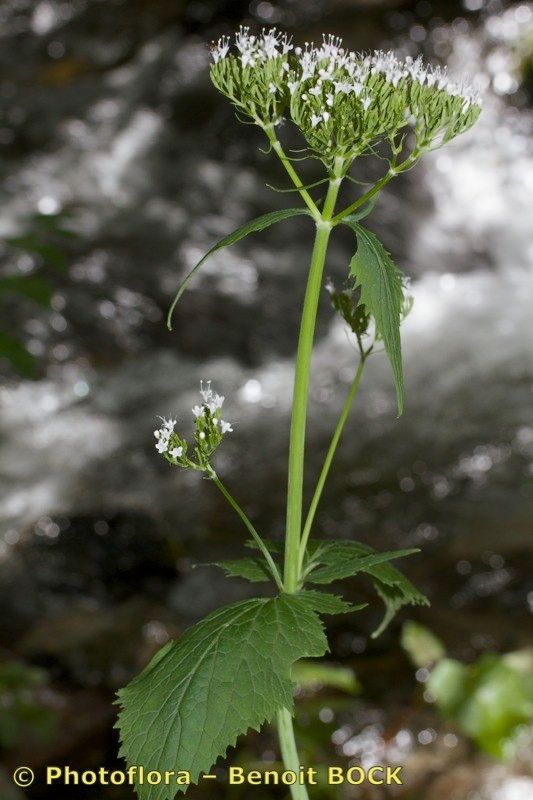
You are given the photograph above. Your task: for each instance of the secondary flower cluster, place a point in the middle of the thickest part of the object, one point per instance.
(210, 429)
(342, 101)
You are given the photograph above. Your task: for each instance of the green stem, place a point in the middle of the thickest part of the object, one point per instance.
(364, 198)
(285, 160)
(257, 539)
(329, 458)
(301, 388)
(394, 169)
(291, 759)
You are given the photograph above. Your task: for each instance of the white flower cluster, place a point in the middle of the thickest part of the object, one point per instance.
(163, 435)
(209, 432)
(342, 101)
(254, 49)
(350, 72)
(212, 403)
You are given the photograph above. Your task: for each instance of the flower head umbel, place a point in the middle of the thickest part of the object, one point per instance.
(342, 101)
(210, 429)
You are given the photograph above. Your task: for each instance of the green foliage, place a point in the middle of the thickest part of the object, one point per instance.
(31, 286)
(331, 561)
(16, 354)
(422, 646)
(346, 302)
(228, 673)
(22, 713)
(381, 294)
(314, 675)
(258, 224)
(326, 603)
(43, 239)
(251, 569)
(491, 700)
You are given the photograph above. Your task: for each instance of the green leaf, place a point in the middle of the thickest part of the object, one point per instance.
(326, 603)
(51, 256)
(315, 675)
(381, 294)
(252, 569)
(271, 546)
(258, 224)
(341, 559)
(229, 673)
(421, 645)
(12, 349)
(31, 286)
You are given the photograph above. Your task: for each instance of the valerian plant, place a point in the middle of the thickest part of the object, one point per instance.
(232, 671)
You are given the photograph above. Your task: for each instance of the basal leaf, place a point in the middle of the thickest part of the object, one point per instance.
(381, 294)
(228, 673)
(258, 224)
(337, 560)
(251, 569)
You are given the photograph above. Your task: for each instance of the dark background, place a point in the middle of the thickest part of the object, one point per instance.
(120, 167)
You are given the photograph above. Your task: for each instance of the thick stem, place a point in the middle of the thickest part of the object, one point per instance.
(291, 759)
(301, 388)
(329, 458)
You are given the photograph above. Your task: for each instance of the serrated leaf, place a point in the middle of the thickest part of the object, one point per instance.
(327, 603)
(334, 558)
(342, 561)
(254, 570)
(258, 224)
(382, 295)
(228, 673)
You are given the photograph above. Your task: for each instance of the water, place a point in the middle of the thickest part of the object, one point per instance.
(153, 169)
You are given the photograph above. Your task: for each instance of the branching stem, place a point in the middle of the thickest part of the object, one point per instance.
(328, 460)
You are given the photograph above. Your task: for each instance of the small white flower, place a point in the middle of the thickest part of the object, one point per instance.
(198, 411)
(168, 424)
(162, 445)
(220, 49)
(326, 115)
(202, 435)
(225, 427)
(176, 452)
(292, 86)
(329, 100)
(315, 119)
(315, 91)
(272, 88)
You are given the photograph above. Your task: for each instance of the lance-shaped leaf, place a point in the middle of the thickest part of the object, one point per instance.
(229, 673)
(259, 224)
(331, 561)
(381, 294)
